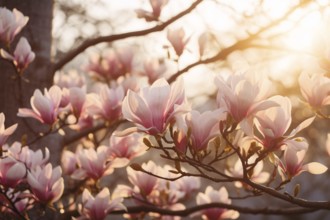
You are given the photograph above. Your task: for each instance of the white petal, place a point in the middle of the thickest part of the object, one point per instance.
(315, 168)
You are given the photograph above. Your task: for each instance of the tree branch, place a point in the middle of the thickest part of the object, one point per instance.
(239, 45)
(189, 211)
(94, 41)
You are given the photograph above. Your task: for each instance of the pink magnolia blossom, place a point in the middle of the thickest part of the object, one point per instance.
(177, 39)
(125, 56)
(77, 97)
(11, 23)
(157, 6)
(23, 55)
(212, 195)
(258, 176)
(153, 108)
(19, 198)
(96, 163)
(292, 164)
(107, 103)
(204, 127)
(111, 66)
(154, 69)
(45, 108)
(68, 162)
(5, 132)
(46, 183)
(12, 171)
(242, 95)
(180, 134)
(98, 207)
(69, 79)
(143, 182)
(30, 158)
(128, 147)
(204, 42)
(315, 89)
(274, 122)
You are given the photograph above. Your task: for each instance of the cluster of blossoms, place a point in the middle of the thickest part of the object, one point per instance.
(26, 176)
(11, 23)
(230, 143)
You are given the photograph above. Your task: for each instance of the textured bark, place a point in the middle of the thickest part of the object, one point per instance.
(38, 32)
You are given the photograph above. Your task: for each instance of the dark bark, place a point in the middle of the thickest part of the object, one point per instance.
(14, 92)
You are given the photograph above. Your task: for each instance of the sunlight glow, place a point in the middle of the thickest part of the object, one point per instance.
(304, 35)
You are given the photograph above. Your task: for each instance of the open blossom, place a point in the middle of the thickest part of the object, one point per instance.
(107, 103)
(23, 55)
(157, 6)
(292, 164)
(212, 195)
(204, 127)
(46, 183)
(242, 96)
(315, 89)
(68, 162)
(126, 147)
(11, 171)
(45, 108)
(153, 108)
(11, 23)
(5, 132)
(98, 207)
(111, 66)
(177, 39)
(30, 158)
(96, 163)
(154, 69)
(258, 176)
(69, 79)
(274, 122)
(143, 182)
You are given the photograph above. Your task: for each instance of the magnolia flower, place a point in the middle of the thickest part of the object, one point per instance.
(293, 164)
(126, 147)
(274, 122)
(242, 96)
(203, 127)
(45, 108)
(212, 195)
(112, 66)
(157, 6)
(180, 138)
(18, 198)
(203, 40)
(177, 39)
(23, 55)
(106, 104)
(77, 97)
(11, 172)
(143, 182)
(153, 69)
(68, 162)
(315, 89)
(96, 163)
(153, 108)
(11, 23)
(5, 132)
(70, 79)
(46, 183)
(125, 56)
(98, 207)
(30, 158)
(257, 175)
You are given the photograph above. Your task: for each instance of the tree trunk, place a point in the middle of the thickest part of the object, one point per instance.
(16, 93)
